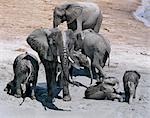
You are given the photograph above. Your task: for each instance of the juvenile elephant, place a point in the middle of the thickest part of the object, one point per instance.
(96, 47)
(81, 60)
(54, 48)
(25, 76)
(130, 82)
(104, 90)
(79, 16)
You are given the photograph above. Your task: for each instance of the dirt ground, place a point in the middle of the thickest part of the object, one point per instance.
(130, 41)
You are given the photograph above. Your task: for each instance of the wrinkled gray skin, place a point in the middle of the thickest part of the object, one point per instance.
(25, 76)
(81, 60)
(96, 47)
(54, 48)
(104, 90)
(130, 82)
(77, 16)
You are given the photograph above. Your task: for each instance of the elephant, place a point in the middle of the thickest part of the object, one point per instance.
(104, 90)
(81, 60)
(130, 82)
(96, 47)
(25, 68)
(54, 48)
(78, 15)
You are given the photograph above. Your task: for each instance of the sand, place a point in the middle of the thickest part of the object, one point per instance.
(130, 42)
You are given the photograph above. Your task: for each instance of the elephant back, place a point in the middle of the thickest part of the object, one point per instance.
(92, 89)
(96, 40)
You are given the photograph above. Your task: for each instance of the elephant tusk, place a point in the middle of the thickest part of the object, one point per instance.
(58, 58)
(23, 86)
(82, 36)
(71, 60)
(58, 75)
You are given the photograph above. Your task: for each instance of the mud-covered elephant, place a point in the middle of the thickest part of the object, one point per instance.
(79, 16)
(25, 76)
(130, 82)
(54, 48)
(104, 90)
(96, 47)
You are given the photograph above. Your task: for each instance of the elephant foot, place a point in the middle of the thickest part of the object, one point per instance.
(17, 95)
(67, 98)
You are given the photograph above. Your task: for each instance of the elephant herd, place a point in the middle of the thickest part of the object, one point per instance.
(61, 51)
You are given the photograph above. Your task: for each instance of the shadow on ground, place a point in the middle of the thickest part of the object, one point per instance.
(42, 97)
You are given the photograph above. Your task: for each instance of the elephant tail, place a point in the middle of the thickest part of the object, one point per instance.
(106, 56)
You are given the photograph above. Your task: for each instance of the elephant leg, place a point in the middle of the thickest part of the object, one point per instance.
(66, 94)
(91, 74)
(71, 71)
(93, 71)
(50, 77)
(127, 95)
(98, 24)
(97, 64)
(33, 87)
(134, 96)
(18, 88)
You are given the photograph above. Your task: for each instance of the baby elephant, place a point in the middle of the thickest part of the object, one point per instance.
(104, 90)
(130, 82)
(25, 76)
(81, 60)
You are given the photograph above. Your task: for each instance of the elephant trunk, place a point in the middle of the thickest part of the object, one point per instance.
(131, 91)
(56, 21)
(65, 67)
(55, 24)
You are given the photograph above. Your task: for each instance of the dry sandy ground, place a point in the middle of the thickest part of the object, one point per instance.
(130, 41)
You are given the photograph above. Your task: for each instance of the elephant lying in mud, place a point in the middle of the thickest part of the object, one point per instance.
(25, 76)
(104, 90)
(96, 47)
(130, 82)
(79, 16)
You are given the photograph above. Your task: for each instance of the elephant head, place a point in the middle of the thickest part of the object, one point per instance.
(66, 12)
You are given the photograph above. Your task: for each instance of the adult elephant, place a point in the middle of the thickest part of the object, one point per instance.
(54, 46)
(96, 47)
(79, 16)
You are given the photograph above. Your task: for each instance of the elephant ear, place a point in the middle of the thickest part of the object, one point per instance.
(72, 12)
(138, 74)
(38, 42)
(71, 39)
